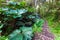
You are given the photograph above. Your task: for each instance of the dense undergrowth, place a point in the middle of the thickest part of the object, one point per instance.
(51, 12)
(48, 11)
(18, 21)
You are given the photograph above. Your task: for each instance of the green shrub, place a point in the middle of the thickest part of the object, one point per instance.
(17, 20)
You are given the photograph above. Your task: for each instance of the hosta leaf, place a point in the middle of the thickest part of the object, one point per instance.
(31, 16)
(13, 3)
(21, 11)
(13, 11)
(25, 35)
(17, 37)
(4, 9)
(27, 32)
(15, 32)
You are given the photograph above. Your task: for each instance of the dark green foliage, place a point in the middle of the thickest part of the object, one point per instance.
(37, 27)
(26, 34)
(17, 20)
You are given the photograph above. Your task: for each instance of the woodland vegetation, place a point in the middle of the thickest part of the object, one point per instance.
(20, 20)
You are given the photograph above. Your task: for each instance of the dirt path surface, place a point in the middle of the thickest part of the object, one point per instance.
(45, 34)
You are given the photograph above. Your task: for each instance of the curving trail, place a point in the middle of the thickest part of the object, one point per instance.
(45, 34)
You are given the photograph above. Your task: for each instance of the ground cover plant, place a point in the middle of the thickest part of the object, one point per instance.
(51, 12)
(18, 21)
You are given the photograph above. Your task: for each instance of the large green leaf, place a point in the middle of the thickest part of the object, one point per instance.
(16, 35)
(27, 32)
(25, 35)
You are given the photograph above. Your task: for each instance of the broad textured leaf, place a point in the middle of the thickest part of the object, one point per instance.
(4, 9)
(16, 35)
(27, 32)
(21, 11)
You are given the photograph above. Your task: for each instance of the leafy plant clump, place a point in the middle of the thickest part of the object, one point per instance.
(51, 12)
(17, 20)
